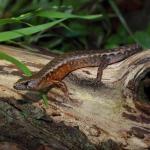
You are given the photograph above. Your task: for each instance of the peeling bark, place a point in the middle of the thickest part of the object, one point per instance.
(112, 116)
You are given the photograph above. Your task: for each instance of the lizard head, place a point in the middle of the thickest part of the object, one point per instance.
(26, 84)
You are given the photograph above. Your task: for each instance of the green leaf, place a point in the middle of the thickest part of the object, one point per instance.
(19, 64)
(143, 38)
(61, 15)
(8, 35)
(121, 37)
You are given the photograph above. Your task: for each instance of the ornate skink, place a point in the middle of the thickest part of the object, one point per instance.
(56, 70)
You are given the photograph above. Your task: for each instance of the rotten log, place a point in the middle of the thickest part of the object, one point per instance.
(113, 116)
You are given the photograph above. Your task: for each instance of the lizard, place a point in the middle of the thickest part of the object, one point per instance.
(55, 71)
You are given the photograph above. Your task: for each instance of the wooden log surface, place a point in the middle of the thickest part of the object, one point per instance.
(113, 116)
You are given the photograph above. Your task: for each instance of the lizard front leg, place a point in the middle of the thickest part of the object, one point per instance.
(63, 87)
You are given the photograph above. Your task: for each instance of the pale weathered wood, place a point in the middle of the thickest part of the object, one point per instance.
(112, 111)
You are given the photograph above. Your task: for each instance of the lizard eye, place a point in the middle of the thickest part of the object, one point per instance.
(26, 83)
(30, 84)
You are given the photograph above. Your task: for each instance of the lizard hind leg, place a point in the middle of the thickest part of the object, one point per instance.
(103, 64)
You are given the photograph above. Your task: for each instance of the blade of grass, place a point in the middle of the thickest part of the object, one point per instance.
(15, 19)
(45, 99)
(20, 44)
(122, 20)
(19, 64)
(47, 14)
(117, 11)
(8, 35)
(61, 15)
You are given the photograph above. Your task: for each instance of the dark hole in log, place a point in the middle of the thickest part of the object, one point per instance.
(144, 89)
(147, 87)
(143, 93)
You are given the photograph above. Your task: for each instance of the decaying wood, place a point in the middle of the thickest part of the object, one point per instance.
(115, 115)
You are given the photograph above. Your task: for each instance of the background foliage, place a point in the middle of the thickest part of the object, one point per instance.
(63, 25)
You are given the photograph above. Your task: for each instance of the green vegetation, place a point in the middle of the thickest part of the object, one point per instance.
(65, 25)
(19, 64)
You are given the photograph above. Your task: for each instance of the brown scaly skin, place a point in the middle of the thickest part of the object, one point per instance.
(56, 70)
